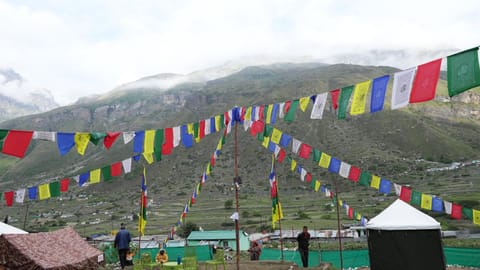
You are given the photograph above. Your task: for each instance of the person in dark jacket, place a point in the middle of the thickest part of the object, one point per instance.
(303, 239)
(122, 244)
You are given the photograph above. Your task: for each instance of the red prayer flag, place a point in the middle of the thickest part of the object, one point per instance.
(286, 108)
(116, 169)
(335, 93)
(281, 156)
(64, 185)
(226, 118)
(354, 174)
(192, 200)
(168, 144)
(243, 111)
(110, 139)
(16, 143)
(456, 211)
(425, 83)
(350, 212)
(308, 177)
(304, 151)
(406, 194)
(201, 129)
(260, 112)
(212, 161)
(8, 196)
(257, 127)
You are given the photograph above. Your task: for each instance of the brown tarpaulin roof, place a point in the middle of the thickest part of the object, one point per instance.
(58, 250)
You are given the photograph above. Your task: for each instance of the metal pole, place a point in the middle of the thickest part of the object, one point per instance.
(338, 226)
(237, 225)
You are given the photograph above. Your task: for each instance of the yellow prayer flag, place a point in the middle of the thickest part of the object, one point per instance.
(190, 129)
(277, 214)
(265, 142)
(358, 216)
(248, 113)
(276, 136)
(324, 160)
(44, 191)
(81, 142)
(476, 216)
(95, 176)
(219, 145)
(426, 202)
(268, 120)
(207, 171)
(218, 122)
(317, 185)
(293, 165)
(149, 141)
(148, 157)
(360, 98)
(304, 103)
(375, 182)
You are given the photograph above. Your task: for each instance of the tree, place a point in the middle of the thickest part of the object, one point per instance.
(228, 204)
(186, 229)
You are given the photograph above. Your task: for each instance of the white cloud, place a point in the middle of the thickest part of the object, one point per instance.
(77, 48)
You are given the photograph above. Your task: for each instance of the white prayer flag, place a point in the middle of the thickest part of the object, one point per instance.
(20, 195)
(319, 106)
(127, 165)
(128, 136)
(176, 136)
(398, 189)
(281, 110)
(402, 86)
(344, 169)
(296, 145)
(448, 207)
(44, 135)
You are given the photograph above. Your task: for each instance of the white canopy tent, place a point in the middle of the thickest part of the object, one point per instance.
(8, 229)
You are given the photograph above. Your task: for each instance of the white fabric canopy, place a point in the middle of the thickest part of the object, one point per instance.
(402, 216)
(7, 229)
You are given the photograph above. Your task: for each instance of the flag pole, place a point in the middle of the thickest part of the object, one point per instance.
(236, 183)
(140, 219)
(278, 206)
(338, 226)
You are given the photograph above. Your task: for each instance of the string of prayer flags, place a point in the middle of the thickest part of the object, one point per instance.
(425, 84)
(360, 98)
(16, 143)
(463, 72)
(345, 95)
(402, 86)
(379, 89)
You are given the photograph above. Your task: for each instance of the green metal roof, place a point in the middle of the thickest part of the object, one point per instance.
(213, 235)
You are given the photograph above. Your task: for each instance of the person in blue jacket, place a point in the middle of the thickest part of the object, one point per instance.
(122, 244)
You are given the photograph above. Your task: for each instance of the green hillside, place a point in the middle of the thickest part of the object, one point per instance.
(398, 145)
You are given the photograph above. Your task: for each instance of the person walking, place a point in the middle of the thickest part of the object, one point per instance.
(122, 244)
(303, 239)
(255, 250)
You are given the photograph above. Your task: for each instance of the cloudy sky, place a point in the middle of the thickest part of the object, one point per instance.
(77, 48)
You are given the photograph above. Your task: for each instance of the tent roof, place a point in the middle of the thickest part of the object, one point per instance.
(213, 235)
(401, 216)
(61, 249)
(8, 229)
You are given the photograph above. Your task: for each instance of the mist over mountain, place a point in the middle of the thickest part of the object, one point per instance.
(18, 97)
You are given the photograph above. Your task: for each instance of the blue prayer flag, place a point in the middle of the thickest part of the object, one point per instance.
(187, 139)
(271, 146)
(379, 87)
(385, 186)
(83, 178)
(65, 142)
(136, 157)
(32, 193)
(334, 166)
(437, 204)
(138, 141)
(274, 116)
(285, 140)
(212, 125)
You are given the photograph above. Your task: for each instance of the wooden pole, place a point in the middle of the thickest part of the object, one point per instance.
(237, 225)
(140, 223)
(278, 207)
(338, 226)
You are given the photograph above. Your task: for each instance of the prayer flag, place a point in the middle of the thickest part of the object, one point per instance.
(425, 83)
(20, 195)
(128, 136)
(54, 189)
(32, 193)
(3, 134)
(437, 204)
(402, 85)
(305, 151)
(290, 115)
(416, 198)
(319, 106)
(64, 185)
(81, 142)
(334, 94)
(106, 172)
(110, 139)
(187, 139)
(277, 213)
(94, 176)
(285, 140)
(467, 212)
(406, 194)
(345, 95)
(276, 136)
(127, 165)
(304, 101)
(268, 119)
(296, 145)
(138, 141)
(281, 155)
(316, 155)
(177, 137)
(375, 182)
(344, 169)
(95, 137)
(324, 160)
(65, 142)
(426, 201)
(168, 141)
(379, 88)
(44, 191)
(44, 135)
(16, 143)
(142, 221)
(476, 216)
(274, 116)
(334, 165)
(354, 174)
(398, 188)
(8, 196)
(293, 165)
(116, 169)
(463, 72)
(456, 212)
(149, 145)
(385, 186)
(365, 179)
(360, 98)
(157, 144)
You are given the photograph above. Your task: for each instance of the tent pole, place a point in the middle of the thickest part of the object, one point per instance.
(338, 226)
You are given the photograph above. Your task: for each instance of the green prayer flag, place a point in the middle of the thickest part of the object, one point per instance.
(463, 72)
(195, 129)
(290, 115)
(107, 173)
(365, 179)
(95, 137)
(416, 198)
(223, 139)
(222, 121)
(345, 95)
(260, 135)
(3, 134)
(312, 183)
(467, 212)
(268, 131)
(316, 155)
(157, 146)
(54, 189)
